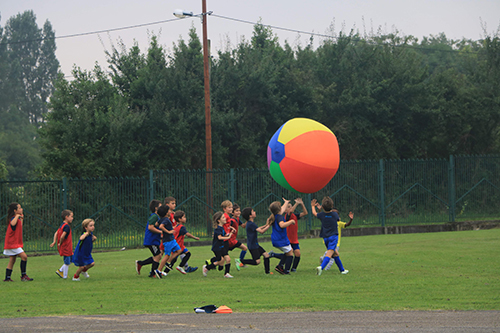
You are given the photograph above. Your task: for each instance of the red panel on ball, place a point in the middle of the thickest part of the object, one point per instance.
(318, 148)
(306, 178)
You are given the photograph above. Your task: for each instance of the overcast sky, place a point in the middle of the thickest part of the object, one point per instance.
(456, 18)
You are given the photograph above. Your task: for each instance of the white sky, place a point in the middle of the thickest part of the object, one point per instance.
(456, 18)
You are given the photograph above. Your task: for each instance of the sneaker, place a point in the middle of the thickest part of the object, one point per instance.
(208, 262)
(270, 273)
(164, 273)
(293, 270)
(8, 280)
(345, 271)
(85, 274)
(271, 254)
(76, 278)
(205, 270)
(138, 267)
(238, 263)
(279, 269)
(191, 269)
(158, 274)
(243, 265)
(229, 276)
(319, 270)
(60, 274)
(168, 267)
(26, 278)
(180, 269)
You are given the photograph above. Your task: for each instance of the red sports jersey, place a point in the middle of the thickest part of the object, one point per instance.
(14, 238)
(292, 229)
(233, 240)
(179, 238)
(66, 248)
(227, 224)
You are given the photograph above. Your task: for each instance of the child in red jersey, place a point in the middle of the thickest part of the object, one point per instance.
(292, 230)
(180, 232)
(13, 245)
(64, 243)
(233, 241)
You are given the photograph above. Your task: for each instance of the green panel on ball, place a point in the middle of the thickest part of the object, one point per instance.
(275, 171)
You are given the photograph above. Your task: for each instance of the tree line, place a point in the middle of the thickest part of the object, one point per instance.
(385, 96)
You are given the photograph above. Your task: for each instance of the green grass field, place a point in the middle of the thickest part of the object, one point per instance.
(433, 271)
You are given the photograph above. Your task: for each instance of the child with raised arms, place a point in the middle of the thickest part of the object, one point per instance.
(82, 258)
(64, 242)
(152, 240)
(341, 225)
(329, 232)
(292, 229)
(279, 237)
(13, 244)
(221, 258)
(171, 248)
(180, 232)
(253, 245)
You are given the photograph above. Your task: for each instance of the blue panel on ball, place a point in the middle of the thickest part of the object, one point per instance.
(277, 148)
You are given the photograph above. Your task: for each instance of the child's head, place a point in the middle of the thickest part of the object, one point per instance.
(327, 204)
(14, 208)
(247, 213)
(67, 216)
(170, 203)
(88, 225)
(219, 219)
(153, 205)
(162, 211)
(180, 216)
(236, 210)
(275, 207)
(227, 206)
(289, 208)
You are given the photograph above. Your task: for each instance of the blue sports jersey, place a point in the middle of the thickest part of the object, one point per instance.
(328, 224)
(279, 238)
(252, 235)
(83, 252)
(167, 224)
(151, 238)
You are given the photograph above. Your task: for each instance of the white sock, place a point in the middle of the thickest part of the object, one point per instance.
(62, 268)
(65, 269)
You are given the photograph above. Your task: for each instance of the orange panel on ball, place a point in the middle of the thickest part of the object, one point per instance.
(306, 178)
(318, 148)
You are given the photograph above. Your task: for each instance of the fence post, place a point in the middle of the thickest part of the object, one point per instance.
(381, 216)
(231, 185)
(309, 216)
(65, 193)
(151, 186)
(451, 189)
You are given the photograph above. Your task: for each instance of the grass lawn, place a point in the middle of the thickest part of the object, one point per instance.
(432, 271)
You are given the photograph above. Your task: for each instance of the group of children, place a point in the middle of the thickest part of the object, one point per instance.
(165, 233)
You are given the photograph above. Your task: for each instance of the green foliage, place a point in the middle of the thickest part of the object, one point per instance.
(427, 271)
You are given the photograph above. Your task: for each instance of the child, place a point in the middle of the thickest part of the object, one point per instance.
(292, 230)
(171, 248)
(13, 245)
(341, 225)
(279, 237)
(329, 232)
(233, 241)
(64, 242)
(83, 251)
(180, 232)
(220, 236)
(152, 240)
(170, 202)
(255, 249)
(227, 209)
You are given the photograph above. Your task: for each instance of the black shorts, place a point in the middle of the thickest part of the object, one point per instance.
(155, 249)
(219, 254)
(257, 253)
(238, 244)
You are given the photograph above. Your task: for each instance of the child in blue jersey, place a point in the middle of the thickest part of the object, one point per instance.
(83, 251)
(279, 237)
(329, 232)
(341, 225)
(170, 246)
(221, 258)
(253, 246)
(152, 240)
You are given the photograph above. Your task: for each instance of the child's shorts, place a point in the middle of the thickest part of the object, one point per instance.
(171, 246)
(331, 242)
(67, 260)
(13, 252)
(285, 249)
(295, 246)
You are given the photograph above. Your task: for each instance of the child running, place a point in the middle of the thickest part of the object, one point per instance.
(180, 232)
(171, 248)
(253, 245)
(64, 242)
(221, 257)
(233, 241)
(292, 230)
(279, 236)
(83, 251)
(13, 244)
(329, 232)
(152, 240)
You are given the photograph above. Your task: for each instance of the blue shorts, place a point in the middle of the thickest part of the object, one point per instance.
(295, 246)
(331, 242)
(67, 260)
(171, 246)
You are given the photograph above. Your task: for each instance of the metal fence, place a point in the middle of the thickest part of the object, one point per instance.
(385, 192)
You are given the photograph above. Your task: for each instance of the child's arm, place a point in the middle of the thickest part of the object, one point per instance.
(16, 219)
(313, 207)
(304, 209)
(84, 235)
(351, 216)
(63, 236)
(55, 240)
(191, 236)
(165, 229)
(154, 229)
(225, 237)
(283, 224)
(93, 237)
(263, 229)
(283, 207)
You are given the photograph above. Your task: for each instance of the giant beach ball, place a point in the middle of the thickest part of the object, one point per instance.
(303, 155)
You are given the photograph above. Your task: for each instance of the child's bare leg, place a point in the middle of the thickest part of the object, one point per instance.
(12, 261)
(163, 262)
